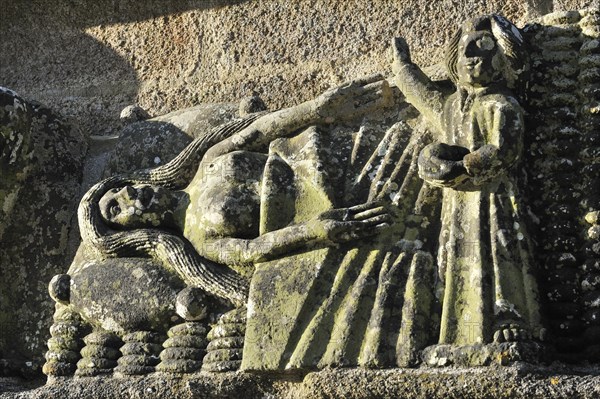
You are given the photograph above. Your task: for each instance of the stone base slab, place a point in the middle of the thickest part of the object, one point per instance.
(517, 381)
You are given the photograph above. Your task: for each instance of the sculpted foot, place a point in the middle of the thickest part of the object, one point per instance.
(511, 333)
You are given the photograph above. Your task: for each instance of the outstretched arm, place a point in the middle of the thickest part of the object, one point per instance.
(348, 101)
(418, 89)
(331, 227)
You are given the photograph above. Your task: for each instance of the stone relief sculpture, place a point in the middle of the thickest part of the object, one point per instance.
(349, 230)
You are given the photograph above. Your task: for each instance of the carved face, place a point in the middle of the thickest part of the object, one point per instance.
(479, 62)
(141, 205)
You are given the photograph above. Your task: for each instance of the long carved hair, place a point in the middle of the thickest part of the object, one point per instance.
(173, 251)
(511, 46)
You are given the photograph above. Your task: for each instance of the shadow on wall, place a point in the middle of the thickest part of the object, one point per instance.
(89, 82)
(85, 14)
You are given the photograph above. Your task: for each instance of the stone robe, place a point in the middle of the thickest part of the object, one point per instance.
(484, 256)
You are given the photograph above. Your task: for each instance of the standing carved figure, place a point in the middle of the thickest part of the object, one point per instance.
(487, 288)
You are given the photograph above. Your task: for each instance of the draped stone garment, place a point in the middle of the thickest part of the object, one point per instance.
(366, 303)
(484, 255)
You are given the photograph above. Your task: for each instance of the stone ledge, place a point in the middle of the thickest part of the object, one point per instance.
(517, 381)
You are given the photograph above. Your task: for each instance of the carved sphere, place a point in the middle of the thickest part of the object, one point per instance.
(60, 288)
(191, 304)
(133, 113)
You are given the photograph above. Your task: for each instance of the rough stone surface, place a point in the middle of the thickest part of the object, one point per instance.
(169, 56)
(133, 113)
(154, 142)
(93, 60)
(41, 161)
(514, 382)
(125, 295)
(561, 140)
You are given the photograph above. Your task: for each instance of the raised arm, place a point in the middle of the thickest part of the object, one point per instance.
(348, 101)
(418, 89)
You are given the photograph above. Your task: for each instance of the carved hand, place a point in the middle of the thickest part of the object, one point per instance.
(400, 54)
(347, 224)
(442, 165)
(353, 99)
(483, 164)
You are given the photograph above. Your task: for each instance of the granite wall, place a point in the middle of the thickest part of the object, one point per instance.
(88, 60)
(91, 59)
